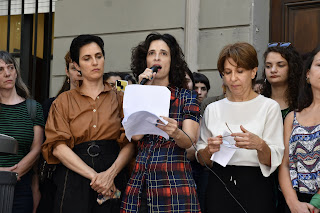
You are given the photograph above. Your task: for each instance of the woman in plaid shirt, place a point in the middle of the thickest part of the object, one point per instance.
(162, 179)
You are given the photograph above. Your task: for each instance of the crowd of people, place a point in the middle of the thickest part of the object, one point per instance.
(254, 148)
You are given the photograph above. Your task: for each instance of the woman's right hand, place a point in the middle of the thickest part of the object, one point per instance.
(148, 74)
(214, 143)
(302, 207)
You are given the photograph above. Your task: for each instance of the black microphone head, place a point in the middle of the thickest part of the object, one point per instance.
(155, 68)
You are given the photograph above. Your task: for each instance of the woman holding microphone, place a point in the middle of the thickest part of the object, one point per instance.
(162, 179)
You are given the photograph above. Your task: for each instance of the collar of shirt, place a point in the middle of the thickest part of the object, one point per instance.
(107, 88)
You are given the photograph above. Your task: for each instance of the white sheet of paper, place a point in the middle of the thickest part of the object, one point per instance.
(223, 156)
(228, 140)
(227, 150)
(142, 106)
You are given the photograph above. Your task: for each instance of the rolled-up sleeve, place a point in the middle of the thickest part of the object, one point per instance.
(57, 131)
(273, 136)
(191, 108)
(204, 133)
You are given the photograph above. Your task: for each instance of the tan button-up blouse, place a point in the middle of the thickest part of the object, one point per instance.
(75, 118)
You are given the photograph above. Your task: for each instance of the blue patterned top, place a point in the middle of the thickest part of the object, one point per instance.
(304, 157)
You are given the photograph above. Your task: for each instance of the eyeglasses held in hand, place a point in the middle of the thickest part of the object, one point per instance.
(280, 44)
(228, 127)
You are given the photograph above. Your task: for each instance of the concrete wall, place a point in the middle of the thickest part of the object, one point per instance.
(124, 23)
(227, 21)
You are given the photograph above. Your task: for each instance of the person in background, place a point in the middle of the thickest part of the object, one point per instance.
(212, 99)
(282, 71)
(16, 122)
(199, 83)
(81, 136)
(111, 77)
(128, 77)
(255, 145)
(162, 179)
(189, 79)
(258, 86)
(70, 82)
(47, 186)
(299, 170)
(283, 68)
(202, 85)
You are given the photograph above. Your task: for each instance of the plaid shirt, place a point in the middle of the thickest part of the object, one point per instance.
(163, 166)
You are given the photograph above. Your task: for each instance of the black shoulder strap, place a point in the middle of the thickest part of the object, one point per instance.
(32, 108)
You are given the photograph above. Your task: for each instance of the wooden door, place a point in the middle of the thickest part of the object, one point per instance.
(295, 21)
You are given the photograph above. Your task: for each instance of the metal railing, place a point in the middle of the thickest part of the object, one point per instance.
(35, 71)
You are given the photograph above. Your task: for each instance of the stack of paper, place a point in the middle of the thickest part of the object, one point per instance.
(142, 106)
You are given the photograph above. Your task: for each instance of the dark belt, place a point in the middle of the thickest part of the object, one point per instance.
(97, 147)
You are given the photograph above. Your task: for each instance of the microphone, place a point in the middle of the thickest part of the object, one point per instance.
(154, 69)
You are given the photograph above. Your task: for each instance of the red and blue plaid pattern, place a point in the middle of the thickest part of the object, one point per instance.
(164, 167)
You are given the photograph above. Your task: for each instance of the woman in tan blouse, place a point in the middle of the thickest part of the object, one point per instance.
(82, 128)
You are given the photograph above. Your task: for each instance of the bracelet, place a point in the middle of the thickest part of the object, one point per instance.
(315, 200)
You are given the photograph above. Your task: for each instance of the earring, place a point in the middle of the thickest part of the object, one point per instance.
(308, 80)
(68, 80)
(265, 80)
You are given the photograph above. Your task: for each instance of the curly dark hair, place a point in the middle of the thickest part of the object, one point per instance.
(178, 65)
(305, 97)
(295, 69)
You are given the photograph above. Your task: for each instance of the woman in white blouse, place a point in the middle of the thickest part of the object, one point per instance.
(246, 131)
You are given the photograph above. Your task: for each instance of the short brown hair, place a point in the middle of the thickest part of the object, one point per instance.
(242, 53)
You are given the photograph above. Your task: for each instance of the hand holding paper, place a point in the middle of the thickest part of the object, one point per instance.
(142, 106)
(227, 150)
(171, 128)
(214, 144)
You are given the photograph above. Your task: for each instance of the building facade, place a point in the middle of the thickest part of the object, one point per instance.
(202, 28)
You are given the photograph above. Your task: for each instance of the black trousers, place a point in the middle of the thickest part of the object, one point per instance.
(23, 200)
(74, 193)
(247, 184)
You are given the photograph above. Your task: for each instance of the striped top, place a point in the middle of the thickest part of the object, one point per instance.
(16, 122)
(304, 157)
(162, 166)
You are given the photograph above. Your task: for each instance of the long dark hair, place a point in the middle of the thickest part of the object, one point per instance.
(305, 97)
(178, 65)
(295, 69)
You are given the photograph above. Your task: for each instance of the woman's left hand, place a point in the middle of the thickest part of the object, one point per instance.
(103, 182)
(247, 140)
(171, 128)
(9, 169)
